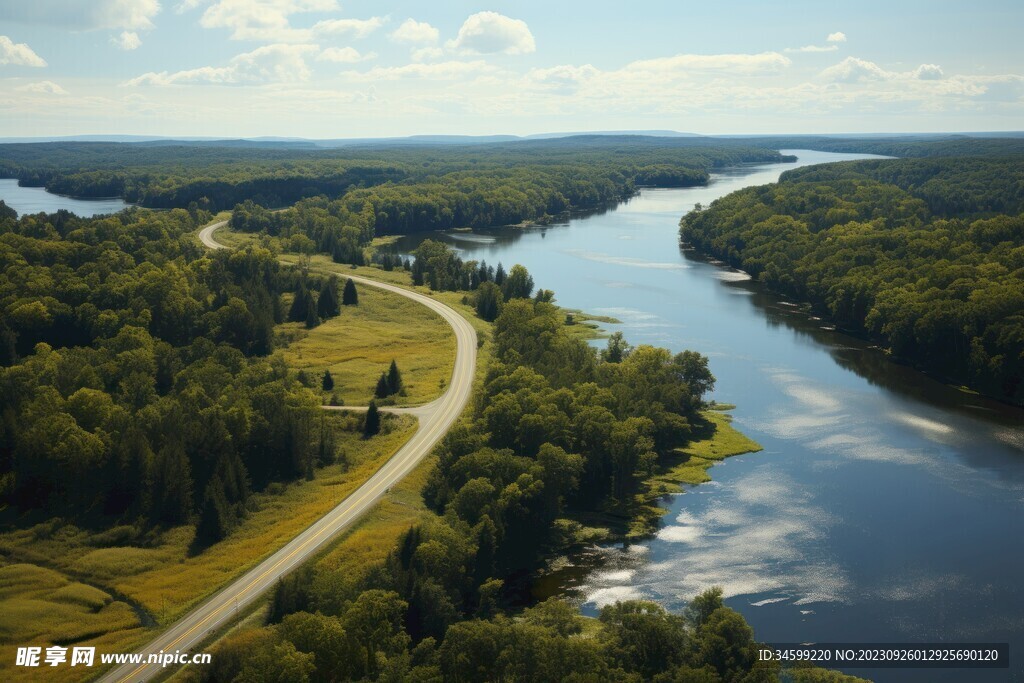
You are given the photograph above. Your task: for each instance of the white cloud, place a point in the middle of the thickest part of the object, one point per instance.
(737, 63)
(18, 54)
(813, 48)
(490, 33)
(43, 88)
(261, 20)
(450, 70)
(929, 72)
(348, 55)
(837, 37)
(280, 63)
(854, 70)
(417, 32)
(565, 79)
(128, 40)
(360, 28)
(84, 15)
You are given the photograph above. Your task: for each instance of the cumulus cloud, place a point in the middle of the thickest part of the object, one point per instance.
(416, 32)
(18, 54)
(360, 28)
(279, 63)
(83, 15)
(837, 37)
(929, 72)
(42, 88)
(128, 40)
(346, 55)
(855, 70)
(492, 33)
(260, 20)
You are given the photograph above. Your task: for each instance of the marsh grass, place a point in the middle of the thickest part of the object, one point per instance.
(714, 440)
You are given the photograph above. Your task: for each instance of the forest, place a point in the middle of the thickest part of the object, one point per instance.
(412, 187)
(924, 255)
(136, 376)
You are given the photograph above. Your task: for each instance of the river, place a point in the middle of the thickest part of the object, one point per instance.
(28, 200)
(884, 507)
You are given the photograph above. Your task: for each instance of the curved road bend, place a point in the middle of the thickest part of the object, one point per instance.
(435, 419)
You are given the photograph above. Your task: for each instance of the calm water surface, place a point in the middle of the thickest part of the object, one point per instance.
(27, 200)
(885, 506)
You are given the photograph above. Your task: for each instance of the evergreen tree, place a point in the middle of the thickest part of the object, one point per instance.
(499, 275)
(488, 301)
(328, 446)
(327, 305)
(328, 381)
(215, 518)
(350, 297)
(312, 318)
(300, 305)
(394, 378)
(371, 426)
(383, 389)
(172, 485)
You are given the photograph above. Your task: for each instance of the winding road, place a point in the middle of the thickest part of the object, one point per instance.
(435, 419)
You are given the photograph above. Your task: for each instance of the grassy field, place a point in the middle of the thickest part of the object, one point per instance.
(58, 583)
(358, 345)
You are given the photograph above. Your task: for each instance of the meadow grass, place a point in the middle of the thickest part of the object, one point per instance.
(358, 345)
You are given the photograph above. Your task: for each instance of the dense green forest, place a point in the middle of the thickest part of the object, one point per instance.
(926, 255)
(410, 188)
(559, 430)
(135, 381)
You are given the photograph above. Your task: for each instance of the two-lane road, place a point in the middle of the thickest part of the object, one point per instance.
(435, 418)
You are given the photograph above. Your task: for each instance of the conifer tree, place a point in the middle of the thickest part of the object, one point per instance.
(327, 304)
(394, 378)
(328, 381)
(371, 426)
(312, 318)
(215, 517)
(172, 485)
(298, 312)
(383, 389)
(350, 297)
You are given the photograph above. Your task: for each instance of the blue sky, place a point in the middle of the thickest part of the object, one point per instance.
(351, 68)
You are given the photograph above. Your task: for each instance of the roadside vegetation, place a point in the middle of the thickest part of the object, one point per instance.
(147, 401)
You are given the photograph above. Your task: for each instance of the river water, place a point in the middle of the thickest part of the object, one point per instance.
(885, 506)
(28, 200)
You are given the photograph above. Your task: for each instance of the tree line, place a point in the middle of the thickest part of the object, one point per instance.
(924, 255)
